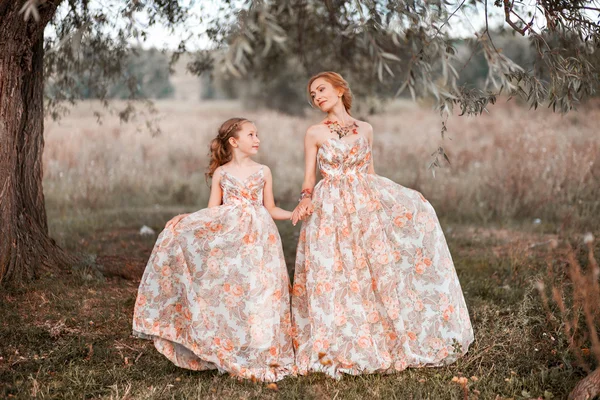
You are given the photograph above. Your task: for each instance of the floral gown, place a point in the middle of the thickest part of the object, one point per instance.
(215, 292)
(375, 289)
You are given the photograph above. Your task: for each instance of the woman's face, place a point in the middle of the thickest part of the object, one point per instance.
(324, 95)
(247, 139)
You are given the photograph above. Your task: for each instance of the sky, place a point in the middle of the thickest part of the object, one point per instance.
(464, 23)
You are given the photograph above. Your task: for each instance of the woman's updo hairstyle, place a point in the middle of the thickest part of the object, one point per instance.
(337, 82)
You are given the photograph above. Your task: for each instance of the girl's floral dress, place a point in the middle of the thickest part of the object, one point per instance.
(215, 292)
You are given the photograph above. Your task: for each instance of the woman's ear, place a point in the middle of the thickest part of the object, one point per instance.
(232, 141)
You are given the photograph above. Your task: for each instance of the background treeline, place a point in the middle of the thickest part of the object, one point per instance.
(148, 76)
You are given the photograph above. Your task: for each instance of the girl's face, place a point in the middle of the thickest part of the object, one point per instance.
(247, 139)
(324, 95)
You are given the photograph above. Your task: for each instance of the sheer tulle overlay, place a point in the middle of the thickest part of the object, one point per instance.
(215, 292)
(375, 289)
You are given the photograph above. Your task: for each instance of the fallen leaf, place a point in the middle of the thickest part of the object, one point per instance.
(272, 386)
(585, 351)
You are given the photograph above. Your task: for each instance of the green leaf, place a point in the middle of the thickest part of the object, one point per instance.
(446, 157)
(30, 8)
(387, 68)
(401, 89)
(390, 56)
(412, 92)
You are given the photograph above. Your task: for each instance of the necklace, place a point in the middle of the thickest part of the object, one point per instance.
(340, 130)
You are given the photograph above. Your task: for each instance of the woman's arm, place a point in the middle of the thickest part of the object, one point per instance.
(369, 134)
(310, 157)
(269, 200)
(311, 147)
(216, 194)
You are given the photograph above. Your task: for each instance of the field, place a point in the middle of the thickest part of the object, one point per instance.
(521, 189)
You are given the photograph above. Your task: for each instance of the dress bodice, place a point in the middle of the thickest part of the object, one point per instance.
(243, 192)
(338, 158)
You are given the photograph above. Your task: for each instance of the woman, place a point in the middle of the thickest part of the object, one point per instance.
(375, 289)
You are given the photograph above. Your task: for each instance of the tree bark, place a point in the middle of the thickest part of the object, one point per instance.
(587, 388)
(24, 242)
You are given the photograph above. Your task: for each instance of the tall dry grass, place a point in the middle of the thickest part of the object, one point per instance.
(510, 164)
(572, 305)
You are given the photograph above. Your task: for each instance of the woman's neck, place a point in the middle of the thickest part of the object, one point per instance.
(339, 114)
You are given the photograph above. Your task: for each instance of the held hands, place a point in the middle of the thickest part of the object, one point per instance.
(175, 220)
(302, 210)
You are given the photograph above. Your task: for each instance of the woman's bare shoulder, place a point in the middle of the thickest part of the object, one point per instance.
(317, 130)
(363, 125)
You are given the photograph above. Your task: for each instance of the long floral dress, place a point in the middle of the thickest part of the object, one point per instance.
(215, 292)
(375, 289)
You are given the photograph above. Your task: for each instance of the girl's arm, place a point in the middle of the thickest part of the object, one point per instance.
(214, 200)
(311, 148)
(269, 200)
(216, 194)
(369, 134)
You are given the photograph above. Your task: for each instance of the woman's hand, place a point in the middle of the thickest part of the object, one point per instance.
(304, 208)
(175, 220)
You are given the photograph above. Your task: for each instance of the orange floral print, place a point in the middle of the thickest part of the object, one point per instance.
(206, 274)
(395, 300)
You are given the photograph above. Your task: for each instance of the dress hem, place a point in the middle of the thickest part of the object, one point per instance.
(269, 374)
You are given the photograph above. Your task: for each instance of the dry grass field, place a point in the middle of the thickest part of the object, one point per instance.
(522, 187)
(511, 165)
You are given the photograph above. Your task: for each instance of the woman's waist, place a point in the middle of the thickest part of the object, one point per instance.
(348, 173)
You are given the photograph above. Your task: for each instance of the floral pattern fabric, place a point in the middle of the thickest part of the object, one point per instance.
(375, 289)
(215, 292)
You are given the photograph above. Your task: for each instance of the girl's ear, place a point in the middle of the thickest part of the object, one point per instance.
(232, 141)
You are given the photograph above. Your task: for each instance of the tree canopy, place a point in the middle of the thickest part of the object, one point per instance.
(382, 46)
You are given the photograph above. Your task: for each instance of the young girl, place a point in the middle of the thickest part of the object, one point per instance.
(215, 290)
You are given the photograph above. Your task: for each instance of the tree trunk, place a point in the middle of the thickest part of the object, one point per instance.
(588, 388)
(24, 242)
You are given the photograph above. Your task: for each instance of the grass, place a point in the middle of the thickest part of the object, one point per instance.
(67, 335)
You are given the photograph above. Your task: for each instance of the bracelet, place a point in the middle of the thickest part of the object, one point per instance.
(305, 193)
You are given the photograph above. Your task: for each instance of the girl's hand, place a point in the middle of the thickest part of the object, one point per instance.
(304, 208)
(175, 220)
